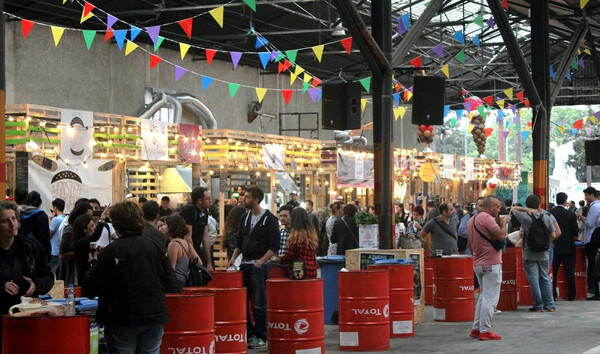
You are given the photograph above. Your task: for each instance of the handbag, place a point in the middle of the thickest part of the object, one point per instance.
(497, 244)
(197, 275)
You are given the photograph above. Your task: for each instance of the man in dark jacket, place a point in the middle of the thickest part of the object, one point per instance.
(345, 231)
(258, 240)
(131, 278)
(196, 218)
(564, 246)
(151, 211)
(34, 222)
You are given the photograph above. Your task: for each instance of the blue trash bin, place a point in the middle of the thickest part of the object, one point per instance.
(330, 265)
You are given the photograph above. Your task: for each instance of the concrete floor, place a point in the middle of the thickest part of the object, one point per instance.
(573, 328)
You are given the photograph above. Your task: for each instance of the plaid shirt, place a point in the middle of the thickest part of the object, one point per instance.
(283, 244)
(300, 253)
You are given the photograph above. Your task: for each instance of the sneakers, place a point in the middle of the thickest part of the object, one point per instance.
(550, 310)
(489, 336)
(474, 333)
(497, 312)
(256, 343)
(533, 309)
(593, 298)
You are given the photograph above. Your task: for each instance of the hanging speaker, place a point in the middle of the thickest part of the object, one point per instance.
(592, 152)
(428, 100)
(341, 106)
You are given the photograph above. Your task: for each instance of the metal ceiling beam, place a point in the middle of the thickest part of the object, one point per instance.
(574, 45)
(415, 32)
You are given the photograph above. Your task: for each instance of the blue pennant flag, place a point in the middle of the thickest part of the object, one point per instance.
(476, 40)
(500, 114)
(552, 73)
(396, 99)
(206, 81)
(459, 37)
(446, 110)
(264, 58)
(134, 32)
(120, 37)
(569, 75)
(406, 21)
(260, 41)
(459, 113)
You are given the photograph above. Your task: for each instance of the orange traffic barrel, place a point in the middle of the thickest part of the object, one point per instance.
(453, 289)
(295, 322)
(279, 271)
(230, 317)
(428, 281)
(402, 309)
(192, 324)
(508, 289)
(524, 297)
(33, 335)
(226, 279)
(364, 310)
(580, 277)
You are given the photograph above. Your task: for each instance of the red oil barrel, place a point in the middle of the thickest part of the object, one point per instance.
(580, 277)
(192, 325)
(33, 335)
(508, 289)
(295, 322)
(453, 289)
(524, 297)
(279, 271)
(226, 279)
(402, 309)
(428, 281)
(230, 317)
(364, 310)
(77, 291)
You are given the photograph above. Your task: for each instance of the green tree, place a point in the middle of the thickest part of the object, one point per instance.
(577, 161)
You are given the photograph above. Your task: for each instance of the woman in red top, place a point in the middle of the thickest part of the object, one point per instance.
(302, 243)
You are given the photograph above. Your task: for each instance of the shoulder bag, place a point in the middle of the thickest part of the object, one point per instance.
(497, 244)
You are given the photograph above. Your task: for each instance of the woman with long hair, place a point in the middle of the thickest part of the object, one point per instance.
(67, 268)
(302, 243)
(179, 250)
(232, 225)
(345, 231)
(83, 233)
(336, 210)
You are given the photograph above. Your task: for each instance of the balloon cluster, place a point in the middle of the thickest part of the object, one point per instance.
(478, 133)
(425, 134)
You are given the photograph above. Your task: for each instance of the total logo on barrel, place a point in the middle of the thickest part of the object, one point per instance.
(192, 350)
(373, 311)
(301, 326)
(237, 337)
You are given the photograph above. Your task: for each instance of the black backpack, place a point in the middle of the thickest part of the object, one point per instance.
(538, 238)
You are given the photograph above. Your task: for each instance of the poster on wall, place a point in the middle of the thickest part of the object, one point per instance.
(274, 156)
(155, 141)
(470, 168)
(71, 183)
(76, 135)
(189, 142)
(355, 170)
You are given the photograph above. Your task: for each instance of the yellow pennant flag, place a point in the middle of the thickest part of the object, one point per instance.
(363, 103)
(585, 120)
(57, 33)
(64, 1)
(183, 49)
(292, 78)
(399, 112)
(446, 71)
(561, 129)
(593, 119)
(408, 95)
(299, 70)
(130, 47)
(318, 49)
(587, 51)
(500, 103)
(509, 93)
(582, 3)
(85, 18)
(470, 127)
(260, 93)
(217, 14)
(307, 78)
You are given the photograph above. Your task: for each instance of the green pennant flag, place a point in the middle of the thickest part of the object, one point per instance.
(479, 21)
(575, 64)
(251, 4)
(291, 54)
(481, 110)
(461, 56)
(366, 82)
(452, 122)
(158, 43)
(305, 87)
(88, 36)
(279, 57)
(233, 88)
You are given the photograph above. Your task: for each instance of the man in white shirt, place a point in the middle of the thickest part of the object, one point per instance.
(592, 239)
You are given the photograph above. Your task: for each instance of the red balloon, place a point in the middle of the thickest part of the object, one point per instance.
(422, 128)
(430, 128)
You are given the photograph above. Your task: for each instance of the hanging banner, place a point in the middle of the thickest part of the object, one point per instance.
(274, 156)
(448, 163)
(359, 172)
(155, 141)
(355, 172)
(71, 183)
(189, 142)
(76, 136)
(470, 168)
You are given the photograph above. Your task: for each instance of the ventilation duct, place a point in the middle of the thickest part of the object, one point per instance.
(343, 137)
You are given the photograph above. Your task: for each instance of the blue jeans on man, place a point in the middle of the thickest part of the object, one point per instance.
(255, 281)
(539, 282)
(134, 339)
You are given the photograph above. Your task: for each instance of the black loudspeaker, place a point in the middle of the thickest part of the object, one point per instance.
(428, 100)
(592, 152)
(341, 106)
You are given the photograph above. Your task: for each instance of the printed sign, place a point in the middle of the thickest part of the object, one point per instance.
(155, 141)
(189, 142)
(76, 135)
(274, 156)
(368, 258)
(417, 283)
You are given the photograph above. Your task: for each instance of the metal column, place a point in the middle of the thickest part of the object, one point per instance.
(2, 103)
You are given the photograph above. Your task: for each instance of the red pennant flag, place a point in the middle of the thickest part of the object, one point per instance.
(154, 60)
(26, 27)
(489, 100)
(464, 92)
(529, 124)
(316, 82)
(108, 34)
(347, 43)
(416, 62)
(526, 103)
(186, 25)
(406, 95)
(520, 95)
(210, 54)
(280, 67)
(87, 8)
(286, 64)
(287, 94)
(505, 4)
(578, 124)
(488, 132)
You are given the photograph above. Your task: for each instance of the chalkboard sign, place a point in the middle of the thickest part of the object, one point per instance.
(22, 169)
(368, 258)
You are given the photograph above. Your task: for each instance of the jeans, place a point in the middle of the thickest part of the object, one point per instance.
(490, 279)
(539, 281)
(133, 339)
(255, 281)
(54, 263)
(568, 261)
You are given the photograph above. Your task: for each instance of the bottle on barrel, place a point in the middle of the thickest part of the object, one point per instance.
(71, 300)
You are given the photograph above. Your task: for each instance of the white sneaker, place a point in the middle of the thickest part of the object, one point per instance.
(496, 311)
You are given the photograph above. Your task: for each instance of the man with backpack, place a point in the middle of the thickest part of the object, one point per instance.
(538, 231)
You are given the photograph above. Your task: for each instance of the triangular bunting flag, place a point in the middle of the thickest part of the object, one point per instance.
(108, 34)
(407, 95)
(275, 55)
(481, 110)
(396, 98)
(305, 87)
(521, 96)
(399, 112)
(110, 21)
(582, 3)
(561, 130)
(500, 104)
(525, 133)
(470, 127)
(446, 71)
(120, 37)
(217, 14)
(206, 81)
(363, 104)
(446, 110)
(314, 94)
(280, 67)
(459, 37)
(260, 93)
(581, 63)
(235, 58)
(158, 43)
(526, 101)
(260, 41)
(461, 56)
(575, 64)
(130, 47)
(406, 21)
(479, 21)
(453, 122)
(186, 25)
(57, 33)
(476, 40)
(347, 43)
(134, 32)
(505, 4)
(88, 36)
(154, 60)
(587, 51)
(468, 105)
(439, 50)
(299, 70)
(85, 17)
(291, 55)
(233, 88)
(307, 78)
(251, 4)
(366, 83)
(459, 113)
(210, 54)
(569, 75)
(552, 73)
(416, 62)
(509, 93)
(489, 100)
(87, 8)
(183, 49)
(505, 134)
(594, 119)
(287, 94)
(318, 49)
(578, 124)
(292, 78)
(179, 72)
(26, 26)
(264, 59)
(316, 82)
(488, 132)
(153, 33)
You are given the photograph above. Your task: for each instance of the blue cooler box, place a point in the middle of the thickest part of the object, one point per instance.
(330, 265)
